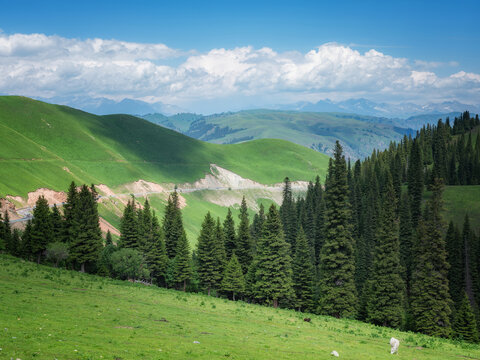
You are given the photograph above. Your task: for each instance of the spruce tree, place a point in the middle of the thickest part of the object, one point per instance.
(7, 234)
(70, 229)
(220, 253)
(26, 246)
(406, 238)
(182, 271)
(243, 247)
(108, 238)
(57, 224)
(455, 258)
(415, 182)
(233, 280)
(145, 227)
(273, 263)
(42, 232)
(385, 305)
(155, 251)
(104, 267)
(470, 255)
(15, 244)
(207, 258)
(288, 214)
(129, 227)
(430, 297)
(256, 228)
(87, 245)
(172, 224)
(230, 235)
(303, 274)
(337, 261)
(464, 324)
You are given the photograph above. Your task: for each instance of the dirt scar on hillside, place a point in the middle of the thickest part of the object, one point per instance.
(217, 180)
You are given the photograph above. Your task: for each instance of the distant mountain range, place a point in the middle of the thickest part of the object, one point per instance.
(104, 106)
(367, 107)
(358, 134)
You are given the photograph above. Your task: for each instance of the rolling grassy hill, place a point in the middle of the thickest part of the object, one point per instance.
(319, 131)
(44, 145)
(49, 313)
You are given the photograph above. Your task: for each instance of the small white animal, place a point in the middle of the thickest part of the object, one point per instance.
(394, 343)
(334, 353)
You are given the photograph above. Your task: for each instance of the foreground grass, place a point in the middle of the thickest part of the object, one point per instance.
(48, 313)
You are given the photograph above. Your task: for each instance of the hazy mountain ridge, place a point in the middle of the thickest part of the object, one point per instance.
(358, 134)
(367, 107)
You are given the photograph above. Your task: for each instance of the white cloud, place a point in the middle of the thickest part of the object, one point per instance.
(41, 65)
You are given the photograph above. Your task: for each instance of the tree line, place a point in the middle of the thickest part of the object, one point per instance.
(363, 245)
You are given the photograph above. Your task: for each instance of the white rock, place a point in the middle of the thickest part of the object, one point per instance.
(395, 344)
(334, 353)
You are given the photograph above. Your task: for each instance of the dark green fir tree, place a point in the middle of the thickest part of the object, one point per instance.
(303, 274)
(207, 258)
(230, 235)
(243, 246)
(172, 224)
(273, 263)
(233, 281)
(386, 302)
(182, 268)
(129, 227)
(464, 323)
(42, 232)
(430, 297)
(337, 260)
(87, 245)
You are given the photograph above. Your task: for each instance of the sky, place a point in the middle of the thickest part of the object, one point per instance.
(212, 55)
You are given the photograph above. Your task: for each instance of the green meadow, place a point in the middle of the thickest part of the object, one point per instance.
(49, 313)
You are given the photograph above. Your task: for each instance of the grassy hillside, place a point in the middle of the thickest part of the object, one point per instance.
(359, 134)
(48, 313)
(460, 200)
(44, 145)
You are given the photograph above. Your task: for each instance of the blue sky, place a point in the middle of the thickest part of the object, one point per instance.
(430, 37)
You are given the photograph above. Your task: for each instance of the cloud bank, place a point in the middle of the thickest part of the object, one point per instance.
(47, 66)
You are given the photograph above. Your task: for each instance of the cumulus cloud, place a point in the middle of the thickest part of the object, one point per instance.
(46, 66)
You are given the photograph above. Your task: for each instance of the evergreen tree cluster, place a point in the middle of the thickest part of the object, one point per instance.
(73, 237)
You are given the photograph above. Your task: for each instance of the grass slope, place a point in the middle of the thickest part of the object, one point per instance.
(44, 145)
(48, 313)
(360, 135)
(462, 200)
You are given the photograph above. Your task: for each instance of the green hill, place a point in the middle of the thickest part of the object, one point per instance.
(359, 135)
(45, 145)
(50, 313)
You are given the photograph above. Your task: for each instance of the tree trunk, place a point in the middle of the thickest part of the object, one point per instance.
(82, 267)
(184, 285)
(233, 296)
(209, 291)
(275, 303)
(39, 256)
